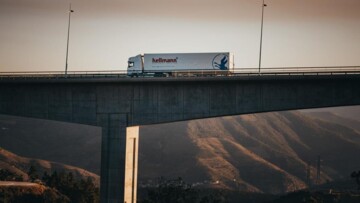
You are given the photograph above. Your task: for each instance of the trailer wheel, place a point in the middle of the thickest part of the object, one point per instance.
(159, 75)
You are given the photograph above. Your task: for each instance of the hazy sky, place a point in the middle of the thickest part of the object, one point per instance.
(104, 33)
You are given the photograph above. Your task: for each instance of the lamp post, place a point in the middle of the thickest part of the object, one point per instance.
(261, 32)
(67, 45)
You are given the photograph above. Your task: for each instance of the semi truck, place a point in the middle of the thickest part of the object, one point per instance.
(174, 64)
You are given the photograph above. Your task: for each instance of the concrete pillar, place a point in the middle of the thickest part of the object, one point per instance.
(112, 157)
(131, 164)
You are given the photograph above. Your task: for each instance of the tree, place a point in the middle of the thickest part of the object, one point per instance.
(6, 175)
(32, 173)
(176, 191)
(356, 175)
(77, 190)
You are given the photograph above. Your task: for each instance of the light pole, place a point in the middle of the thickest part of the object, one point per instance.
(261, 32)
(67, 45)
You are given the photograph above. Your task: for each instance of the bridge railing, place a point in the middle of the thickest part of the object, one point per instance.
(331, 70)
(61, 74)
(299, 70)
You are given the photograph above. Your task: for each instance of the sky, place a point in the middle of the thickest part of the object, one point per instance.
(105, 33)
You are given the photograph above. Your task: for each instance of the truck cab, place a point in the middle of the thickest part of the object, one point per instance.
(135, 66)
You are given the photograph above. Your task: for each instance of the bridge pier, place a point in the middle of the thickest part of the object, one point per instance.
(131, 164)
(112, 157)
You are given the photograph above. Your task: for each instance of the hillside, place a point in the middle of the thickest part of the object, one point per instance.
(349, 112)
(60, 142)
(266, 152)
(21, 165)
(336, 119)
(29, 192)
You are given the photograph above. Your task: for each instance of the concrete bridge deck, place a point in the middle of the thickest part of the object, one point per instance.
(237, 72)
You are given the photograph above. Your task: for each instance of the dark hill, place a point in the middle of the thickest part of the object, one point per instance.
(334, 118)
(21, 165)
(266, 152)
(68, 143)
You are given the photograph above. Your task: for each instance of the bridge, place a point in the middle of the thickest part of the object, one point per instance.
(119, 104)
(236, 72)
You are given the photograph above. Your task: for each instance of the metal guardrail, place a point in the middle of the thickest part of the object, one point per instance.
(332, 70)
(61, 74)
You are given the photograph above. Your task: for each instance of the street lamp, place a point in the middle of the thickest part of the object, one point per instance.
(261, 32)
(67, 46)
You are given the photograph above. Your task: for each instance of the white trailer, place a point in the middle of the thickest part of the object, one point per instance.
(170, 64)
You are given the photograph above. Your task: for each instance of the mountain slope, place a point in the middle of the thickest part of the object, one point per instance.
(349, 112)
(61, 142)
(269, 152)
(20, 166)
(334, 118)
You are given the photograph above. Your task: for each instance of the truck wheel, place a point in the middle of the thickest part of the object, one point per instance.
(159, 75)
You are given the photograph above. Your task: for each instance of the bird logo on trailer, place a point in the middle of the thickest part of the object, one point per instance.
(220, 62)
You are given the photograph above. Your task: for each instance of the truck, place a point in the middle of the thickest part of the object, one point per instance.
(175, 64)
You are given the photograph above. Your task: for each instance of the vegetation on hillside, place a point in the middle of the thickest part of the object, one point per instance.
(178, 191)
(6, 175)
(31, 195)
(272, 153)
(55, 187)
(319, 197)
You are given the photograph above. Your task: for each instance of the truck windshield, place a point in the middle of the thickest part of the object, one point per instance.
(130, 64)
